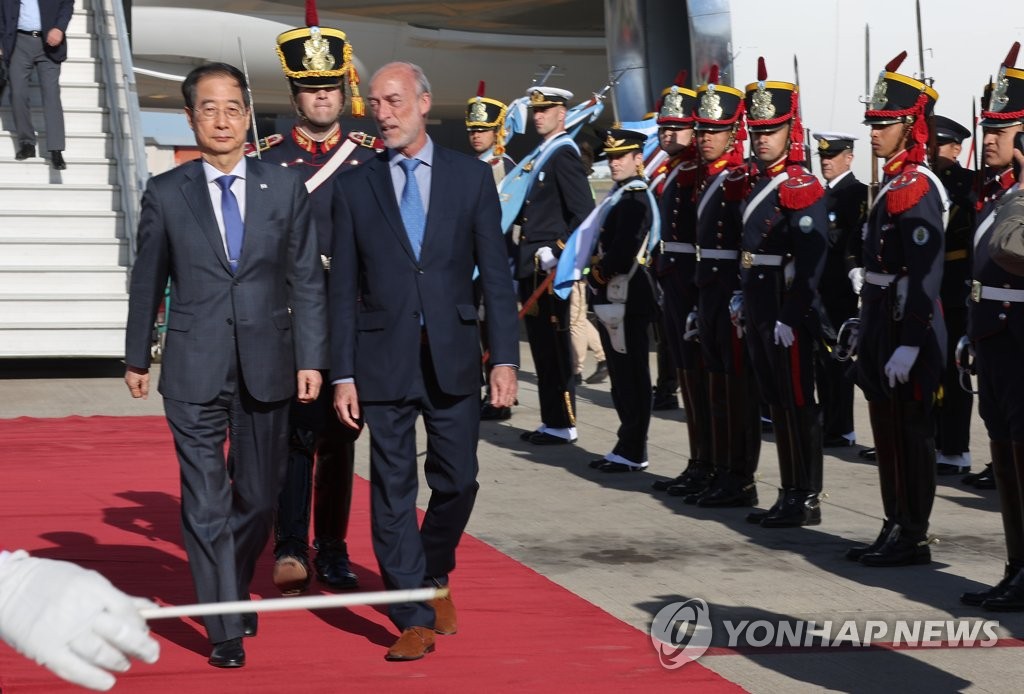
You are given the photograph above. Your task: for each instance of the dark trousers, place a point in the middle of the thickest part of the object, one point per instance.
(631, 386)
(551, 347)
(409, 554)
(835, 393)
(953, 415)
(227, 510)
(29, 56)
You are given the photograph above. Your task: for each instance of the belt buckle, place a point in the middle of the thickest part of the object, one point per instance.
(747, 260)
(325, 260)
(976, 291)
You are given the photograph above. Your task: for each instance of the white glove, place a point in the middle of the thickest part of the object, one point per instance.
(546, 257)
(856, 276)
(71, 620)
(783, 334)
(899, 364)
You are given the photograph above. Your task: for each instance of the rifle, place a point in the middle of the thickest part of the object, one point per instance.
(252, 109)
(873, 185)
(807, 146)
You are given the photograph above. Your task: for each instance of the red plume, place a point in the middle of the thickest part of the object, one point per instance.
(312, 20)
(713, 75)
(894, 64)
(681, 78)
(762, 71)
(1011, 57)
(480, 89)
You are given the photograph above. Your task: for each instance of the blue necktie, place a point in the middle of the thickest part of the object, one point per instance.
(234, 230)
(413, 217)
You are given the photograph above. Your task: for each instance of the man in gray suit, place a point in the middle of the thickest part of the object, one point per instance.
(32, 38)
(245, 330)
(409, 226)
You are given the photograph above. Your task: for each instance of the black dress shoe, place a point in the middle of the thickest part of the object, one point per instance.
(976, 599)
(250, 623)
(755, 517)
(57, 160)
(836, 442)
(543, 438)
(596, 463)
(866, 453)
(490, 413)
(899, 550)
(525, 436)
(798, 509)
(663, 485)
(228, 654)
(332, 568)
(855, 553)
(613, 466)
(600, 374)
(665, 401)
(982, 480)
(729, 492)
(1010, 599)
(25, 152)
(578, 378)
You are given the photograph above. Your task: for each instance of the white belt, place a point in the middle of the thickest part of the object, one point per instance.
(879, 279)
(979, 292)
(716, 254)
(749, 260)
(679, 247)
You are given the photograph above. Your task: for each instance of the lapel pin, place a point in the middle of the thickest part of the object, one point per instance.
(263, 186)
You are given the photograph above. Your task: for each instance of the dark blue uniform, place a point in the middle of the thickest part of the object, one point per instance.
(784, 245)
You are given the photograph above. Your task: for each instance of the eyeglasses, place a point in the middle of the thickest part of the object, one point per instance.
(212, 112)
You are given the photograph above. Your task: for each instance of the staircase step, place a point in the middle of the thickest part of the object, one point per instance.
(32, 309)
(47, 279)
(63, 252)
(81, 22)
(96, 197)
(80, 69)
(82, 119)
(61, 340)
(68, 224)
(82, 45)
(75, 95)
(88, 145)
(38, 171)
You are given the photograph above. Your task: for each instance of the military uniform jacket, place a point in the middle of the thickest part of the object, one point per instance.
(678, 212)
(558, 201)
(988, 317)
(622, 238)
(846, 204)
(789, 221)
(904, 238)
(718, 195)
(956, 274)
(299, 152)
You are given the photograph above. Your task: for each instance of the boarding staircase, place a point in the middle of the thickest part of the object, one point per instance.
(65, 236)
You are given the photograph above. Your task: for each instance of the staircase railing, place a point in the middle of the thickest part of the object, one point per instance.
(129, 147)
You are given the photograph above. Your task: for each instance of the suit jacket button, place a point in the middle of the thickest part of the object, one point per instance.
(230, 322)
(1002, 316)
(416, 315)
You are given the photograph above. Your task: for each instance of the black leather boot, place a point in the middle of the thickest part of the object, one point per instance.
(756, 517)
(899, 549)
(855, 553)
(977, 599)
(694, 480)
(732, 492)
(332, 490)
(800, 507)
(1011, 598)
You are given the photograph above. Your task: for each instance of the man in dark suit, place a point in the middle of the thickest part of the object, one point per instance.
(409, 226)
(32, 35)
(245, 331)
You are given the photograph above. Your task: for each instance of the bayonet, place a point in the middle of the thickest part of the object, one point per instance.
(252, 106)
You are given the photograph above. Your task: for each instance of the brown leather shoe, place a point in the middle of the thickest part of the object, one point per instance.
(413, 644)
(444, 615)
(291, 575)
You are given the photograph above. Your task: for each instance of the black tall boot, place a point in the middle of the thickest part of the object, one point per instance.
(291, 572)
(1011, 597)
(333, 500)
(801, 506)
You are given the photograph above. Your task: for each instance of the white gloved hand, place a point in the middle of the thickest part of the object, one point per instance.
(899, 364)
(546, 257)
(783, 334)
(71, 620)
(856, 276)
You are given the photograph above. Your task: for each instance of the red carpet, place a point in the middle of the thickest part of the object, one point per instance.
(103, 492)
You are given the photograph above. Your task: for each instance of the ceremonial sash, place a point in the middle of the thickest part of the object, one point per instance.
(332, 165)
(516, 186)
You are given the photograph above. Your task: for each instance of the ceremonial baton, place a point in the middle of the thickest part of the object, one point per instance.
(312, 602)
(252, 106)
(528, 304)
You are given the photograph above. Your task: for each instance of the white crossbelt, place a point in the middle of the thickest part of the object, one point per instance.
(679, 247)
(716, 254)
(879, 279)
(979, 292)
(748, 259)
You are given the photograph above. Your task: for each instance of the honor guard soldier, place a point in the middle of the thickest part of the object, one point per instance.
(485, 124)
(953, 410)
(317, 62)
(675, 266)
(902, 338)
(718, 193)
(622, 294)
(996, 326)
(557, 202)
(846, 201)
(784, 245)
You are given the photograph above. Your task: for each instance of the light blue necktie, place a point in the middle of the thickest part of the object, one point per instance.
(234, 229)
(413, 217)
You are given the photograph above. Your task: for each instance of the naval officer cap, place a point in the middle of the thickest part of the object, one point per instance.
(618, 141)
(543, 97)
(948, 130)
(832, 143)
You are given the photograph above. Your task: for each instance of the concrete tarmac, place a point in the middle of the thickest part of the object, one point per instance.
(615, 542)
